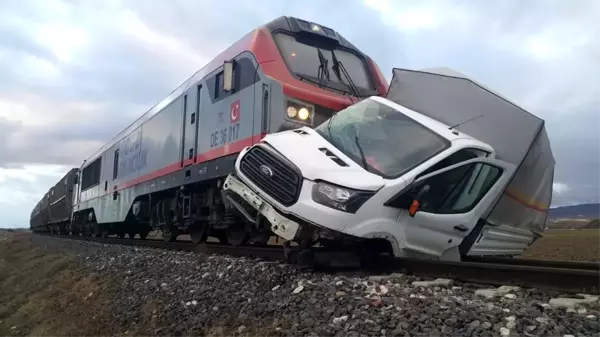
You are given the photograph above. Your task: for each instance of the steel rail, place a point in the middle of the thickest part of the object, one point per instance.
(525, 275)
(537, 263)
(565, 276)
(269, 253)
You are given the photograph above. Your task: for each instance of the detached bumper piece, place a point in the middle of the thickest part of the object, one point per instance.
(280, 225)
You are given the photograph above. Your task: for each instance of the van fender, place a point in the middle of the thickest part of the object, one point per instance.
(388, 237)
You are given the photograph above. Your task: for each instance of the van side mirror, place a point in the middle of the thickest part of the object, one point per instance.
(416, 203)
(228, 75)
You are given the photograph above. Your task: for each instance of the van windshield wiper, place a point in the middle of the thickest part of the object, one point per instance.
(329, 125)
(362, 154)
(337, 66)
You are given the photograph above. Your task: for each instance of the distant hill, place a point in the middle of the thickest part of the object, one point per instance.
(587, 211)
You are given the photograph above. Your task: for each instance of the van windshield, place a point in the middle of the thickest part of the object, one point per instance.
(381, 139)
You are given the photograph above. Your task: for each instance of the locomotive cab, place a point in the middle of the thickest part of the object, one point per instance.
(320, 73)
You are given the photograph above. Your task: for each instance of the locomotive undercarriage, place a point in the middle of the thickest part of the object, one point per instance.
(204, 210)
(201, 211)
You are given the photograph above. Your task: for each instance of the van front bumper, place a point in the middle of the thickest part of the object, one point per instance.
(280, 225)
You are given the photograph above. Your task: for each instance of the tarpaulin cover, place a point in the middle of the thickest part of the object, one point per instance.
(518, 136)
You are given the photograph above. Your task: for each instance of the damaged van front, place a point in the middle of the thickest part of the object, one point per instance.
(361, 178)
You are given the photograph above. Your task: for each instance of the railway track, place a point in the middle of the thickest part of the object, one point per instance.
(564, 276)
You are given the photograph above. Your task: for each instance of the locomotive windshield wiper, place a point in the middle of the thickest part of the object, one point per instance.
(337, 66)
(302, 77)
(323, 71)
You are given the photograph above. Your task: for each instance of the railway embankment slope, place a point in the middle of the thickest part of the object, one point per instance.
(51, 286)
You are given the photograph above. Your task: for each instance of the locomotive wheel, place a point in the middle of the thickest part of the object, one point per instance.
(199, 232)
(144, 233)
(237, 235)
(169, 233)
(261, 238)
(96, 230)
(104, 231)
(131, 235)
(221, 236)
(121, 235)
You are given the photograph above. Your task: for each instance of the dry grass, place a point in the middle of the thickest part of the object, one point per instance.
(567, 245)
(45, 294)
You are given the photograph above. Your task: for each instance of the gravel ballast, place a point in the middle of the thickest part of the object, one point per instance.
(177, 293)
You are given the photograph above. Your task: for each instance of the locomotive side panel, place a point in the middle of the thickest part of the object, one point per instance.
(148, 152)
(159, 154)
(227, 119)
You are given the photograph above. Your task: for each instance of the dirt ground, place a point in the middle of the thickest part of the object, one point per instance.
(567, 245)
(47, 293)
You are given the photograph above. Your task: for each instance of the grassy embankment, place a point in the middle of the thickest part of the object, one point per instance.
(46, 293)
(43, 293)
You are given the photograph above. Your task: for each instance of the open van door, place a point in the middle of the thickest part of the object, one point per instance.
(444, 206)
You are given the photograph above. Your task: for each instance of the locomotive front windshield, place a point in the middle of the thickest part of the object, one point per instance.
(381, 139)
(304, 60)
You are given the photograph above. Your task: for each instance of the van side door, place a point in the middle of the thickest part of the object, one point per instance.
(442, 207)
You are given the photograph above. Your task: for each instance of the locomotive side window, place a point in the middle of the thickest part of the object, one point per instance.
(91, 174)
(219, 85)
(245, 74)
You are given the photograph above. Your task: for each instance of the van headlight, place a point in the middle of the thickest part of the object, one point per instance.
(341, 198)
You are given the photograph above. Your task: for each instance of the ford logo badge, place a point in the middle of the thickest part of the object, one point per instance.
(266, 170)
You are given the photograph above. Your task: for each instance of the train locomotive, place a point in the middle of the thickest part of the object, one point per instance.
(165, 171)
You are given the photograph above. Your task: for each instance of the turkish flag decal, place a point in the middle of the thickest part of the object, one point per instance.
(234, 112)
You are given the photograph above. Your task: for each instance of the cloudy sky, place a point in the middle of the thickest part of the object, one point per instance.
(74, 72)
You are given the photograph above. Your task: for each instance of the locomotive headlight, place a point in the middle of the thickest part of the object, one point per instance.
(341, 198)
(292, 111)
(299, 111)
(303, 114)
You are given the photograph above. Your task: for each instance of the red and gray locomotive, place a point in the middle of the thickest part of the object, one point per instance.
(165, 170)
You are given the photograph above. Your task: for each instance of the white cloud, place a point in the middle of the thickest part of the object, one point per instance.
(21, 188)
(559, 187)
(63, 40)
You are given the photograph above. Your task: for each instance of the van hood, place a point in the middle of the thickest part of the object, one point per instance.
(318, 159)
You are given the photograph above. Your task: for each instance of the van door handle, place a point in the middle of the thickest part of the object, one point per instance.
(461, 228)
